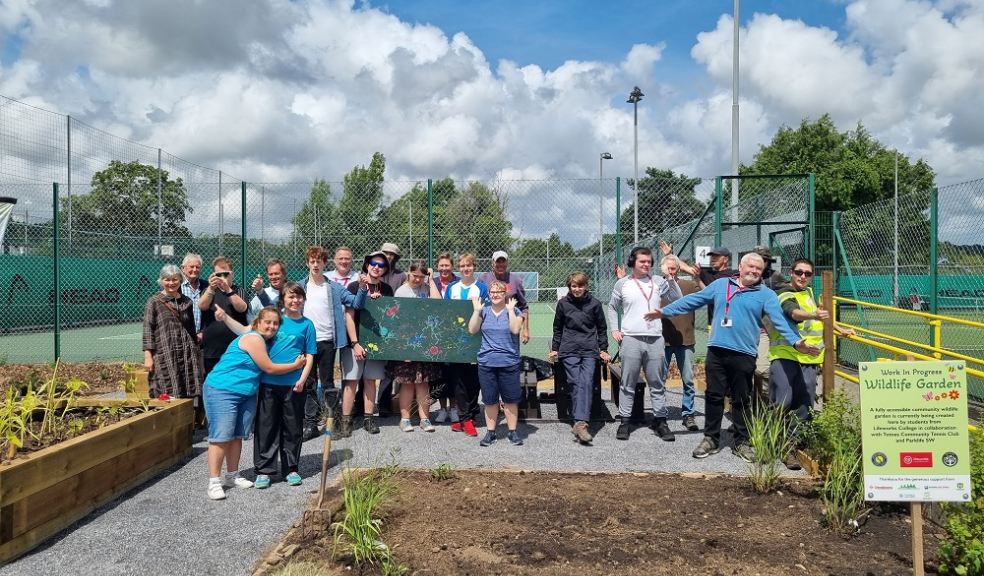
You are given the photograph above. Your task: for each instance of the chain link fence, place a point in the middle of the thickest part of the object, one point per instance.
(887, 257)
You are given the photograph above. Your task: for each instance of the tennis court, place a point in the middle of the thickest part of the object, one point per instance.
(114, 342)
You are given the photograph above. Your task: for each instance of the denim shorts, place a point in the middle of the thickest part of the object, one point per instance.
(230, 415)
(500, 382)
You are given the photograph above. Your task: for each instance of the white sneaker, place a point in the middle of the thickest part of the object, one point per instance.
(442, 415)
(454, 415)
(237, 481)
(215, 491)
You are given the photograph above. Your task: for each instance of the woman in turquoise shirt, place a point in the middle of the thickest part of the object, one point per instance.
(230, 398)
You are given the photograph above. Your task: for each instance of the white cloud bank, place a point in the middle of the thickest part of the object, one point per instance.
(289, 91)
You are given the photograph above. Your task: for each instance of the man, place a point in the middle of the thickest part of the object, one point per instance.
(445, 273)
(394, 276)
(343, 273)
(678, 336)
(270, 296)
(224, 293)
(740, 304)
(325, 307)
(640, 338)
(720, 268)
(192, 286)
(773, 281)
(514, 287)
(793, 374)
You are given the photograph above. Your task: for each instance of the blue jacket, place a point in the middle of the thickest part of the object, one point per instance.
(746, 311)
(340, 299)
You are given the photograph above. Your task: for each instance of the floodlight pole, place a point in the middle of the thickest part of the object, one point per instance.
(634, 97)
(734, 109)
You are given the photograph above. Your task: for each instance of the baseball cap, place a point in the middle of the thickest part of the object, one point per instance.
(390, 247)
(499, 254)
(765, 253)
(720, 251)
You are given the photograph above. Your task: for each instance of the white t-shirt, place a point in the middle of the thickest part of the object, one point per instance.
(461, 292)
(319, 310)
(342, 280)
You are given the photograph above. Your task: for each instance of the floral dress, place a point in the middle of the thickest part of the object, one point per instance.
(169, 334)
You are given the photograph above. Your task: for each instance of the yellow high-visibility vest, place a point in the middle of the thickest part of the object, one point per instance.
(811, 330)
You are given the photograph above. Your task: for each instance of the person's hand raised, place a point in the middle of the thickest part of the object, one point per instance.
(257, 283)
(476, 304)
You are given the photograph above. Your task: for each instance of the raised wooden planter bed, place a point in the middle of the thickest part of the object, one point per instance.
(46, 491)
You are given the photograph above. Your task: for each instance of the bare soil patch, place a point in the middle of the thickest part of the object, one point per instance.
(514, 523)
(102, 378)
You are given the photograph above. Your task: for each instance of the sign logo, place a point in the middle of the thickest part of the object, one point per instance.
(879, 459)
(950, 459)
(916, 459)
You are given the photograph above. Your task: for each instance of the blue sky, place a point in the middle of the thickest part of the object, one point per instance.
(549, 33)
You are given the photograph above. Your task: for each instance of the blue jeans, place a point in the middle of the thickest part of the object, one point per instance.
(685, 363)
(230, 415)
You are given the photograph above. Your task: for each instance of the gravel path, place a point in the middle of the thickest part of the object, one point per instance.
(168, 526)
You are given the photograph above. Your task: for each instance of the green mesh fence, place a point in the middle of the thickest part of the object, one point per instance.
(886, 259)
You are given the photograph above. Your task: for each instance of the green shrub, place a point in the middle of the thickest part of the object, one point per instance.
(834, 429)
(962, 550)
(768, 433)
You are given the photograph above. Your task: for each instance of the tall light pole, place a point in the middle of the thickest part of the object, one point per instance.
(601, 202)
(734, 108)
(634, 97)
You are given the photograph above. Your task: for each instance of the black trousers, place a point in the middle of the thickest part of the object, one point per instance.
(278, 429)
(464, 378)
(728, 373)
(323, 370)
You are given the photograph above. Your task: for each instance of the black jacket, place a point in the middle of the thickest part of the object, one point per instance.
(579, 327)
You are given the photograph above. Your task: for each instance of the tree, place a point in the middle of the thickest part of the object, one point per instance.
(666, 200)
(123, 200)
(851, 168)
(475, 221)
(361, 202)
(316, 221)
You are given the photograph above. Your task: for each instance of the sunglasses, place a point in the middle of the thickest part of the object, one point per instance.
(223, 274)
(378, 264)
(805, 273)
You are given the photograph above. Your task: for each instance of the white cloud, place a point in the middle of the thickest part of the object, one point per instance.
(302, 89)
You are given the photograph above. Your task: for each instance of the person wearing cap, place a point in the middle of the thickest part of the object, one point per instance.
(793, 374)
(640, 338)
(731, 348)
(720, 268)
(394, 276)
(514, 287)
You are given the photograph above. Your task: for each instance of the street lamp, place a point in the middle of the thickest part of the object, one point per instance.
(601, 201)
(634, 97)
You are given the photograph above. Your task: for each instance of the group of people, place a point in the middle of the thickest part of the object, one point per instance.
(746, 308)
(252, 359)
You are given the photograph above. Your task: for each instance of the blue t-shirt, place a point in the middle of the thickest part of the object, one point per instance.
(293, 338)
(236, 371)
(500, 347)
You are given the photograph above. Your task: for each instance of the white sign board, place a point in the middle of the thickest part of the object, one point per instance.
(701, 256)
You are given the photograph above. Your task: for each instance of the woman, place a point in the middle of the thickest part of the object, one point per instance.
(464, 377)
(171, 354)
(230, 398)
(498, 360)
(414, 378)
(280, 406)
(354, 363)
(445, 392)
(580, 336)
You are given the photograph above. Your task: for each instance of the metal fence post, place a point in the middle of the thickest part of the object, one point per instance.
(160, 205)
(57, 278)
(618, 219)
(430, 222)
(812, 217)
(718, 209)
(934, 222)
(243, 239)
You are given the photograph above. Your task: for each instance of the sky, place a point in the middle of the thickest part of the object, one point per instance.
(281, 91)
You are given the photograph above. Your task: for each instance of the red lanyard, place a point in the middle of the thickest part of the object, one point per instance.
(649, 297)
(728, 295)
